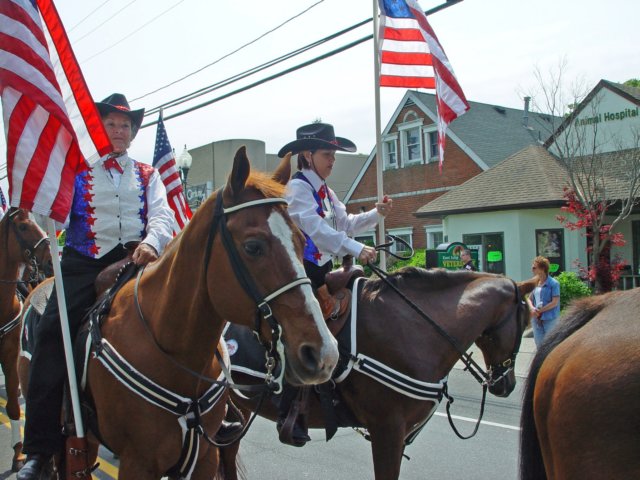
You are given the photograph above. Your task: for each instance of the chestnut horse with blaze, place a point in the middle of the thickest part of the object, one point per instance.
(23, 246)
(238, 260)
(580, 414)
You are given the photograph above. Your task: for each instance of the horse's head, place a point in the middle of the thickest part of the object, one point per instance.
(28, 243)
(263, 251)
(500, 342)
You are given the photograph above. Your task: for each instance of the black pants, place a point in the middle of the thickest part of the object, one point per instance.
(48, 368)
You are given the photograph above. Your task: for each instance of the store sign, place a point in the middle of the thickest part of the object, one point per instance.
(447, 255)
(608, 117)
(196, 194)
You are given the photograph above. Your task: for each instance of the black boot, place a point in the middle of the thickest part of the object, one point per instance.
(299, 434)
(229, 432)
(34, 467)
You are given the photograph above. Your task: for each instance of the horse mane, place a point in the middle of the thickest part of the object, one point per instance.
(573, 319)
(265, 184)
(432, 279)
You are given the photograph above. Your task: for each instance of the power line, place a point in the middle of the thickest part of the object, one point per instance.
(230, 53)
(134, 32)
(96, 28)
(442, 6)
(251, 71)
(90, 13)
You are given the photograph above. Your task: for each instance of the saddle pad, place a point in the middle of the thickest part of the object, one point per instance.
(41, 296)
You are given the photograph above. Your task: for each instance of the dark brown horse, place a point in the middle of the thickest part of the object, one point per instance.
(402, 359)
(580, 415)
(239, 259)
(24, 247)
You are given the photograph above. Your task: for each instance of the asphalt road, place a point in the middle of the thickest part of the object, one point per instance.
(437, 452)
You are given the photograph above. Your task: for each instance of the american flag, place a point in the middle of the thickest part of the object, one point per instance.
(51, 122)
(165, 162)
(411, 57)
(3, 202)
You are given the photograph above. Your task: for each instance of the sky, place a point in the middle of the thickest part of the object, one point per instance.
(137, 46)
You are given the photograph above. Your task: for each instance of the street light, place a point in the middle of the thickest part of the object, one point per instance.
(184, 164)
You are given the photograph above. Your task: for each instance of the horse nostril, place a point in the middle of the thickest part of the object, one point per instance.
(310, 358)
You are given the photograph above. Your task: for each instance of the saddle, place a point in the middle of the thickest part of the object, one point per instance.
(338, 283)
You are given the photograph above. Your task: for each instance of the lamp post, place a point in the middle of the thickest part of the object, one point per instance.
(184, 164)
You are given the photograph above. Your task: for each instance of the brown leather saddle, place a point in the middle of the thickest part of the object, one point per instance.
(339, 283)
(107, 277)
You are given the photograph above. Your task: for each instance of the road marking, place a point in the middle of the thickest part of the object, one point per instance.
(483, 422)
(106, 467)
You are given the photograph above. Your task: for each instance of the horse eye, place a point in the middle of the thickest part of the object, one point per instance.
(254, 248)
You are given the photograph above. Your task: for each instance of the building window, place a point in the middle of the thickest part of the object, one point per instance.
(435, 236)
(405, 234)
(391, 153)
(368, 238)
(550, 244)
(490, 246)
(431, 140)
(635, 237)
(412, 145)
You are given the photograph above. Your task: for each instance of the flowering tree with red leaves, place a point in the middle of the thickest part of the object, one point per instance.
(602, 271)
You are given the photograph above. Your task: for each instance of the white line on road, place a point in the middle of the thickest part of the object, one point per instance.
(483, 422)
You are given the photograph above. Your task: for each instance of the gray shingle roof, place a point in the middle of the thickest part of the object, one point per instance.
(531, 177)
(494, 132)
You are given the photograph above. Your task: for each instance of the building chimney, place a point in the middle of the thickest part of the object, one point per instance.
(525, 116)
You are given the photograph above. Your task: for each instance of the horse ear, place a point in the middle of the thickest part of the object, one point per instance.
(283, 172)
(527, 286)
(239, 173)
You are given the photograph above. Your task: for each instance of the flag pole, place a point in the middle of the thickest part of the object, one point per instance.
(379, 153)
(64, 324)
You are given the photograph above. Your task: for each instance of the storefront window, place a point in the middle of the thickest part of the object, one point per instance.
(635, 228)
(490, 248)
(550, 244)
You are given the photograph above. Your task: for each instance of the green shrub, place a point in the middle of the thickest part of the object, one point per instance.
(418, 260)
(571, 287)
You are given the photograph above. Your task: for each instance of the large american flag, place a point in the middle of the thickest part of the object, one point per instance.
(411, 57)
(51, 122)
(164, 161)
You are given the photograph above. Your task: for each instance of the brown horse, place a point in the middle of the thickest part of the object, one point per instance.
(239, 259)
(402, 358)
(24, 247)
(580, 416)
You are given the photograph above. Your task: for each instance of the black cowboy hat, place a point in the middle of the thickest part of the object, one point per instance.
(317, 136)
(117, 102)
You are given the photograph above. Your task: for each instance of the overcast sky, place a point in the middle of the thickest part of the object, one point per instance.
(493, 46)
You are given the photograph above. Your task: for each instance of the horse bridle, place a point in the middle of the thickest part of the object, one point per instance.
(274, 348)
(28, 251)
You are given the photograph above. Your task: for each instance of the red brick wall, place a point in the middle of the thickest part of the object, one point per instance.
(457, 168)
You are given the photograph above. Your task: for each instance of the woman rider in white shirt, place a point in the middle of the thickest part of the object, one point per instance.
(324, 220)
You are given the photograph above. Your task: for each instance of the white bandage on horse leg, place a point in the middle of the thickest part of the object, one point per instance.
(16, 435)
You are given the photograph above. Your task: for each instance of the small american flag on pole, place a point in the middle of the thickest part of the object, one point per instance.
(3, 202)
(411, 57)
(51, 121)
(165, 162)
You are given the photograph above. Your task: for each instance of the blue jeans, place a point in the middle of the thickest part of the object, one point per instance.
(540, 331)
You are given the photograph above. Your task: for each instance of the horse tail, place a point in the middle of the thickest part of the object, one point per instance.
(577, 316)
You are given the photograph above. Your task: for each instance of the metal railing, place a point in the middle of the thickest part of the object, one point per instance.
(627, 282)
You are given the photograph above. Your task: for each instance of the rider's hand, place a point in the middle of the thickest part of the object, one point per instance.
(367, 254)
(144, 254)
(385, 206)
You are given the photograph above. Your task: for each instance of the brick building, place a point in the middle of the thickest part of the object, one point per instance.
(480, 139)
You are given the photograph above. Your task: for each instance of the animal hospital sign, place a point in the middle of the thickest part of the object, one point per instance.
(608, 117)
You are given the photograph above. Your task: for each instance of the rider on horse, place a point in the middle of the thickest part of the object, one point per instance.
(116, 200)
(326, 225)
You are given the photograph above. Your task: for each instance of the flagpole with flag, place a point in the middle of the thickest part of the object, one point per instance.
(408, 55)
(164, 161)
(51, 125)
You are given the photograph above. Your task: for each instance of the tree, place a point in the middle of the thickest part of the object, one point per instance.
(603, 167)
(632, 82)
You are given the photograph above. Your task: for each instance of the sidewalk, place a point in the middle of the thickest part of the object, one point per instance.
(523, 360)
